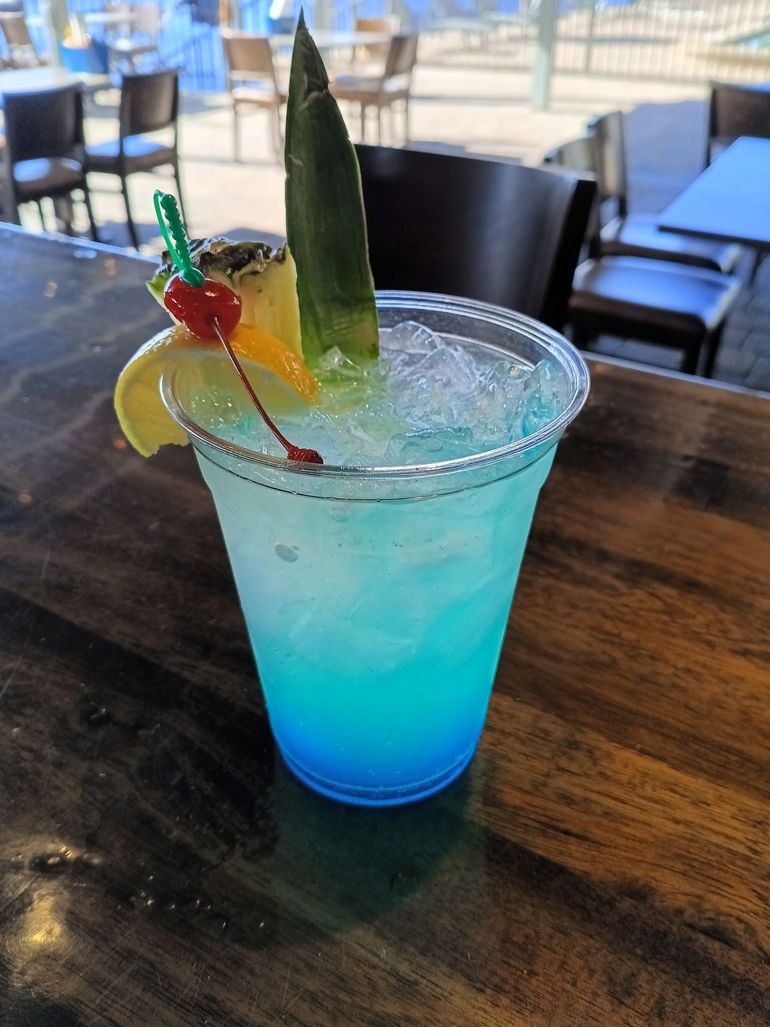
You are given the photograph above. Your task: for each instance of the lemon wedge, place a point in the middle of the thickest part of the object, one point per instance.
(141, 412)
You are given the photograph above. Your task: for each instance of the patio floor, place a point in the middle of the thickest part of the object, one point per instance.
(479, 110)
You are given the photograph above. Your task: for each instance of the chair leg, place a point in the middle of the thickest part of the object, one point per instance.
(236, 136)
(692, 358)
(379, 125)
(581, 337)
(406, 121)
(277, 133)
(759, 256)
(712, 349)
(363, 123)
(129, 219)
(178, 183)
(90, 212)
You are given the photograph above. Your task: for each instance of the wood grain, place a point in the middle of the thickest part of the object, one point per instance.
(605, 859)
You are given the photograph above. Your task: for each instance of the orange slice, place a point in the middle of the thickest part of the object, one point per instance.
(141, 412)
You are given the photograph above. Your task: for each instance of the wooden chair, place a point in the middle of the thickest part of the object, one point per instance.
(252, 82)
(375, 51)
(602, 154)
(660, 301)
(490, 230)
(149, 103)
(382, 91)
(44, 152)
(21, 49)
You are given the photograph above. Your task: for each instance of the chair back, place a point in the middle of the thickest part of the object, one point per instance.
(486, 229)
(248, 57)
(608, 132)
(14, 28)
(387, 25)
(737, 111)
(148, 102)
(402, 57)
(582, 157)
(45, 124)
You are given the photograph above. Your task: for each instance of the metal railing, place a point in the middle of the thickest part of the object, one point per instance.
(658, 39)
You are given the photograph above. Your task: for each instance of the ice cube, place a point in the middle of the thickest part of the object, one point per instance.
(410, 337)
(335, 366)
(542, 399)
(428, 446)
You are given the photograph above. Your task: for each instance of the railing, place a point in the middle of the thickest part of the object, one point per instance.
(658, 39)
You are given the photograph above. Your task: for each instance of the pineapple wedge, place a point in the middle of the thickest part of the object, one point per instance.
(265, 280)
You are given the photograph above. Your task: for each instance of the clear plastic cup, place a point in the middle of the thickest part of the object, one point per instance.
(376, 599)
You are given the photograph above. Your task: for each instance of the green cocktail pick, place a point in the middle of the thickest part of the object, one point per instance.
(171, 227)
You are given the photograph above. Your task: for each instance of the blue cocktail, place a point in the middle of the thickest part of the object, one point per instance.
(376, 597)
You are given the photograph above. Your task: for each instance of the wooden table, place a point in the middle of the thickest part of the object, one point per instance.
(604, 860)
(730, 200)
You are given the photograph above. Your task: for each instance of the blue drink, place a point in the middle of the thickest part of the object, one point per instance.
(376, 599)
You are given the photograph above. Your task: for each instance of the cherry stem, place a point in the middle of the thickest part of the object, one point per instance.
(291, 451)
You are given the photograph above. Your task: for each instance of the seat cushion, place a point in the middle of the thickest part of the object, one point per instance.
(141, 154)
(650, 298)
(262, 95)
(368, 89)
(638, 235)
(35, 179)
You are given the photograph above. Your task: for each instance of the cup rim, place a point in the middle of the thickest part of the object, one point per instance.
(547, 338)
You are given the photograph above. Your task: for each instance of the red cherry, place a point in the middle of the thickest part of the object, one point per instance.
(197, 305)
(307, 456)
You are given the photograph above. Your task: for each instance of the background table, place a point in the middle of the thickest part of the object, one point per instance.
(605, 859)
(38, 80)
(730, 200)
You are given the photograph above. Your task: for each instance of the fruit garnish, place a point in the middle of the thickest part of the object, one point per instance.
(265, 279)
(198, 306)
(141, 412)
(209, 310)
(325, 221)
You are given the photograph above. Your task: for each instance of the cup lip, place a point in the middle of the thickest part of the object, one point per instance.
(548, 338)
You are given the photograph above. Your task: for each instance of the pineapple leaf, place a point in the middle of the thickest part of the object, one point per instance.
(326, 226)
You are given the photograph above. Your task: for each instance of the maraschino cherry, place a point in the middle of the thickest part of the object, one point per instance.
(209, 309)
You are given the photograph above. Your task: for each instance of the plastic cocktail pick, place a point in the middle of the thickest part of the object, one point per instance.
(167, 211)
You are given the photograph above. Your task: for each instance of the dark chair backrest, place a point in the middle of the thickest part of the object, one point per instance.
(737, 111)
(149, 102)
(611, 178)
(582, 157)
(248, 56)
(402, 56)
(44, 124)
(485, 229)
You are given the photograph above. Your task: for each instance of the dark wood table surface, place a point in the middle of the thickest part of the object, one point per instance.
(730, 200)
(606, 858)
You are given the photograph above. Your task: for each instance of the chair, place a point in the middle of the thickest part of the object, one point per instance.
(384, 90)
(490, 230)
(658, 301)
(736, 111)
(144, 36)
(603, 154)
(375, 51)
(249, 59)
(21, 49)
(149, 103)
(44, 149)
